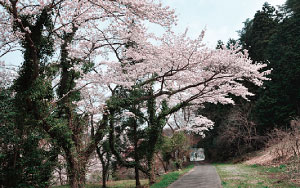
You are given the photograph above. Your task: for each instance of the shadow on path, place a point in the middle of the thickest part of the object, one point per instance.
(203, 175)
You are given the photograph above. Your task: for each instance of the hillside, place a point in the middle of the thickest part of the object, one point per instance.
(282, 151)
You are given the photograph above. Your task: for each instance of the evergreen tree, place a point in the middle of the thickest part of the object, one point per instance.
(256, 33)
(281, 99)
(293, 5)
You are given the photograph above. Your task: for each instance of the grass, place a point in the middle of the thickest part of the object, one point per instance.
(164, 181)
(125, 183)
(87, 186)
(167, 179)
(254, 176)
(112, 184)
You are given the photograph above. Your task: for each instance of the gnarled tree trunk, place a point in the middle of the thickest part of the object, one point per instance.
(76, 172)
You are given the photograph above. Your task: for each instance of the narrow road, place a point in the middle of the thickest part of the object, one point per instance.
(201, 176)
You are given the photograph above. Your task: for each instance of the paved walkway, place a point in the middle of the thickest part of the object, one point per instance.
(201, 176)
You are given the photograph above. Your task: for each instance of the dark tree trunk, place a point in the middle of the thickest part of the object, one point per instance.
(104, 177)
(76, 171)
(165, 165)
(151, 174)
(137, 178)
(136, 157)
(76, 178)
(105, 164)
(154, 136)
(105, 167)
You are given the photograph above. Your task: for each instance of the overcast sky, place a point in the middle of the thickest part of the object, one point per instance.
(222, 18)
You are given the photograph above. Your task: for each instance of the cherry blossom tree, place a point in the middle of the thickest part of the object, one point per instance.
(81, 54)
(188, 121)
(174, 72)
(55, 36)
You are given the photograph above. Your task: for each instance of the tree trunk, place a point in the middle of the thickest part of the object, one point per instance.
(77, 179)
(76, 172)
(150, 159)
(105, 165)
(136, 156)
(151, 175)
(137, 178)
(104, 177)
(165, 166)
(153, 137)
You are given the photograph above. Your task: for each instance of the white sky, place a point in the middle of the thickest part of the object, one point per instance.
(221, 18)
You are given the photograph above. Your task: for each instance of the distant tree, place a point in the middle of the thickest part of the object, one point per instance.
(231, 42)
(174, 149)
(280, 101)
(256, 33)
(256, 37)
(220, 44)
(293, 5)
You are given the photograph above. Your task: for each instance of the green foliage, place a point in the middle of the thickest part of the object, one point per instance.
(255, 35)
(28, 156)
(170, 145)
(23, 162)
(274, 38)
(219, 44)
(293, 5)
(280, 101)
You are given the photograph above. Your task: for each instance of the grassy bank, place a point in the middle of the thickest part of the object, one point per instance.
(254, 176)
(112, 184)
(167, 179)
(163, 181)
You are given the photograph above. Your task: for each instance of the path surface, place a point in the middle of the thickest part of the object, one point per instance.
(201, 176)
